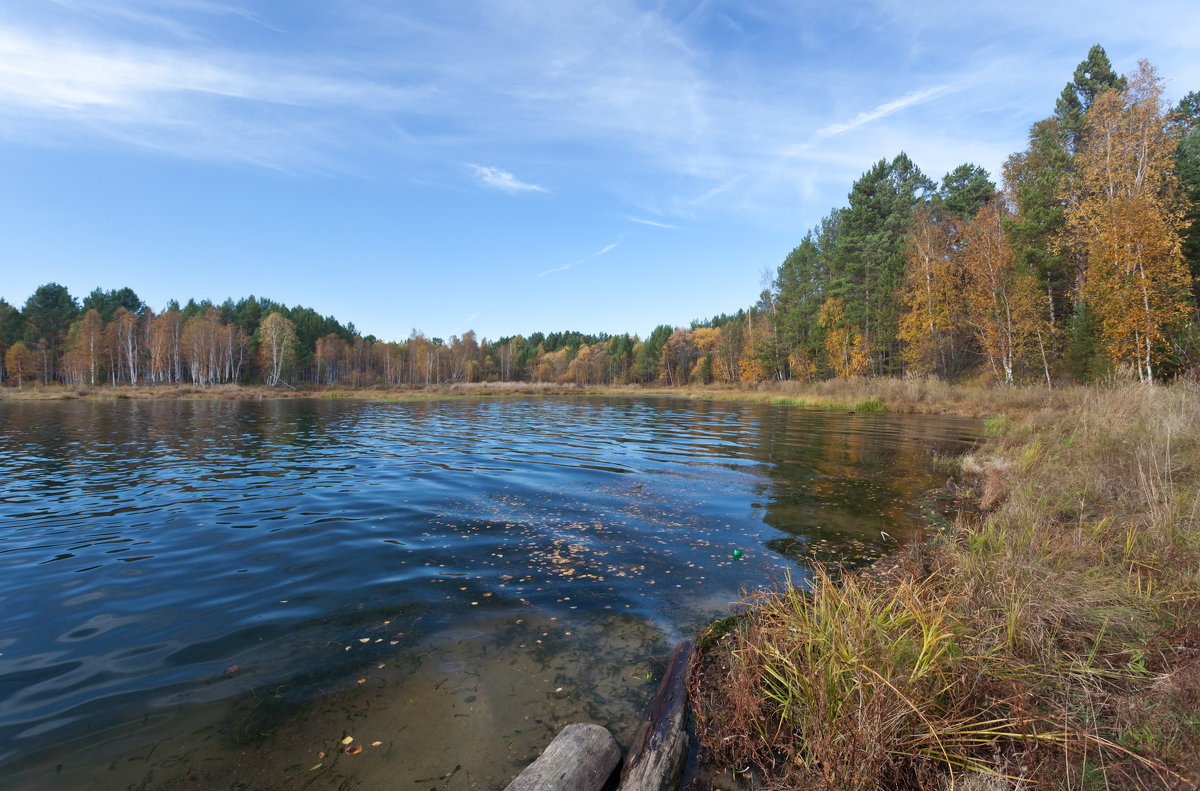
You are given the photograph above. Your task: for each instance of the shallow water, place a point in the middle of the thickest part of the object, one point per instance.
(208, 594)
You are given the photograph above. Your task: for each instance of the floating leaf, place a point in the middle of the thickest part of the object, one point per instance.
(354, 750)
(347, 740)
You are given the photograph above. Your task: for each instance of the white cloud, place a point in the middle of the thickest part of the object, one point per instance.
(652, 223)
(883, 110)
(562, 268)
(606, 249)
(503, 180)
(752, 108)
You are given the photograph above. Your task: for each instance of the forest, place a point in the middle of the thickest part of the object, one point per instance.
(1083, 261)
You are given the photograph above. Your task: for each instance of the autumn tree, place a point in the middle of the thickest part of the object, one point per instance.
(87, 343)
(846, 347)
(276, 340)
(1123, 211)
(125, 335)
(328, 357)
(20, 362)
(1002, 299)
(166, 331)
(931, 298)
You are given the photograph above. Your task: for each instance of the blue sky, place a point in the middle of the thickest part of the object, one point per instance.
(500, 166)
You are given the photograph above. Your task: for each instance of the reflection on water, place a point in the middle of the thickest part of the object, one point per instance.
(200, 593)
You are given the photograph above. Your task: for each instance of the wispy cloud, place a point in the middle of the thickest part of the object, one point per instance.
(685, 100)
(562, 268)
(652, 223)
(503, 180)
(608, 248)
(883, 110)
(63, 88)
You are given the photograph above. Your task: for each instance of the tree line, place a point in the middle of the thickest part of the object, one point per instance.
(1085, 259)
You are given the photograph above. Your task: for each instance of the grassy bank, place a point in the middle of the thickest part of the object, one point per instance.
(1051, 640)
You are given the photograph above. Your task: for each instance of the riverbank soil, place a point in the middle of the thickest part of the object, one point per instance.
(1050, 639)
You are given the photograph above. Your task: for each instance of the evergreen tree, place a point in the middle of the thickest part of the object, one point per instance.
(1092, 77)
(1186, 119)
(868, 265)
(963, 192)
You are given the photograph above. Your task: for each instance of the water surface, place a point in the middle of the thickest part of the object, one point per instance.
(199, 594)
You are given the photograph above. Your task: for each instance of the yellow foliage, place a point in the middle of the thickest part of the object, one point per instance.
(848, 351)
(1124, 214)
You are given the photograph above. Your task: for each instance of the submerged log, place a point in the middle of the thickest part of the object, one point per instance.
(581, 758)
(659, 750)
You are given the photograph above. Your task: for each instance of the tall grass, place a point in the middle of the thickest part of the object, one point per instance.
(1053, 640)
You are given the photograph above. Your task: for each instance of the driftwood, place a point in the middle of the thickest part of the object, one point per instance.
(659, 751)
(581, 758)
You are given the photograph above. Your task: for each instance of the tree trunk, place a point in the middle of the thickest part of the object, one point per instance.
(581, 758)
(660, 746)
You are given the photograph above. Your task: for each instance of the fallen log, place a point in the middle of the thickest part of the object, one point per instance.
(581, 758)
(659, 750)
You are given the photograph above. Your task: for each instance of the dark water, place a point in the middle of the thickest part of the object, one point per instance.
(201, 594)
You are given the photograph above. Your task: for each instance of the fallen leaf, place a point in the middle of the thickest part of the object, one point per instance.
(355, 750)
(376, 744)
(347, 740)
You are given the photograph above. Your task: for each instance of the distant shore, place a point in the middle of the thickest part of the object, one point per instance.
(925, 396)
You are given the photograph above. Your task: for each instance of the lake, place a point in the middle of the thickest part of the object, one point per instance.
(216, 594)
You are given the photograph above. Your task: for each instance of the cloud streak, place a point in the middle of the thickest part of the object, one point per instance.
(503, 180)
(649, 102)
(562, 268)
(652, 223)
(608, 248)
(883, 110)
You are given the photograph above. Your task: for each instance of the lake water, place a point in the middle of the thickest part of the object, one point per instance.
(215, 594)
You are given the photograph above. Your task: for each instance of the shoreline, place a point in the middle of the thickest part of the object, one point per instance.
(1050, 637)
(910, 395)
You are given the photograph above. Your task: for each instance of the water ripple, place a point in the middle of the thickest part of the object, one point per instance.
(148, 547)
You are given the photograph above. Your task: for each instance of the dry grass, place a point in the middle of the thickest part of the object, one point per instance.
(1054, 640)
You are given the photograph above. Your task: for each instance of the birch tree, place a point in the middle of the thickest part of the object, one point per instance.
(277, 337)
(1124, 212)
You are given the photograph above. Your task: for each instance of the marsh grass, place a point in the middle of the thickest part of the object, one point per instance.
(1050, 640)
